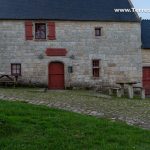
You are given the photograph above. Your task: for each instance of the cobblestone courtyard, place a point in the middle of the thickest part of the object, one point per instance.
(134, 112)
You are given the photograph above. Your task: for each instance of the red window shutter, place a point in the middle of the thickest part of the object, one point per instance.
(52, 31)
(29, 30)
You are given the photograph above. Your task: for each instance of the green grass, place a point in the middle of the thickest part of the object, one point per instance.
(29, 127)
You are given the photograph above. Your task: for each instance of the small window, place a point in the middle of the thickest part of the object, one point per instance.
(70, 69)
(96, 68)
(98, 31)
(16, 69)
(40, 31)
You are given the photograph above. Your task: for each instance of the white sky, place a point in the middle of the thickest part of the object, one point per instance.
(142, 4)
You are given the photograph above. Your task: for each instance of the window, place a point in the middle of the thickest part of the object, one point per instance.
(96, 68)
(40, 31)
(98, 31)
(70, 69)
(16, 69)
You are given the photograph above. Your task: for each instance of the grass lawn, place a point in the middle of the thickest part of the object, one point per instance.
(28, 127)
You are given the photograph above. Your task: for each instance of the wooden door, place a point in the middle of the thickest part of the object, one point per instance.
(56, 75)
(146, 80)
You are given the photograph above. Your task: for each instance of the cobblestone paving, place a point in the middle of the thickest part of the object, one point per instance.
(133, 112)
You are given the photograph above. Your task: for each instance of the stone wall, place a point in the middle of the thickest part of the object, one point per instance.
(146, 57)
(118, 48)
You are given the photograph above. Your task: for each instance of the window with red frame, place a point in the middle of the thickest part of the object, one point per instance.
(16, 69)
(96, 68)
(40, 31)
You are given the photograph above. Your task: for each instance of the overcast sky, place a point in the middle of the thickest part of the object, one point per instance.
(142, 4)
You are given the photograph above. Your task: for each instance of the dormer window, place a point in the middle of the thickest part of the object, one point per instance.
(40, 31)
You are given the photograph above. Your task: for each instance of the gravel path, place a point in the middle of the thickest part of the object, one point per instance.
(133, 112)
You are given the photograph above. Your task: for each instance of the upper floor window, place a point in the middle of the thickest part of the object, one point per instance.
(16, 69)
(96, 68)
(98, 31)
(40, 31)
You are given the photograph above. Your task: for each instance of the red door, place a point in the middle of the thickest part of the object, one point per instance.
(146, 80)
(56, 75)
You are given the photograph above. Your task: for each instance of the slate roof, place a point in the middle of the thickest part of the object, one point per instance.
(145, 29)
(88, 10)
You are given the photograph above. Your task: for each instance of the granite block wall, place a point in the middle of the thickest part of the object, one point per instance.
(119, 49)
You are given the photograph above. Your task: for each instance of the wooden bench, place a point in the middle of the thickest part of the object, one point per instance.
(8, 79)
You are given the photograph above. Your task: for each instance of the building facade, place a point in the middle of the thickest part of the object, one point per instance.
(145, 28)
(82, 49)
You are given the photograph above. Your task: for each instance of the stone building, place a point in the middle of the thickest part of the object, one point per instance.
(65, 43)
(145, 28)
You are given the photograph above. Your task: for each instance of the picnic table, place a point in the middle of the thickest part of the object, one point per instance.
(8, 79)
(130, 85)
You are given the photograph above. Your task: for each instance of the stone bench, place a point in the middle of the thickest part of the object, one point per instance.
(117, 91)
(142, 91)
